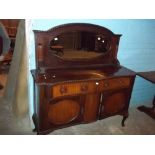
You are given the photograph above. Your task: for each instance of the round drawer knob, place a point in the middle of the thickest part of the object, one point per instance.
(45, 77)
(54, 76)
(63, 89)
(84, 88)
(121, 82)
(106, 85)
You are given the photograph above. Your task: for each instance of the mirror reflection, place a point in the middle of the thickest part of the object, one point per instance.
(79, 45)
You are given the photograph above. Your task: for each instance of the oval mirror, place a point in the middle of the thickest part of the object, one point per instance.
(79, 45)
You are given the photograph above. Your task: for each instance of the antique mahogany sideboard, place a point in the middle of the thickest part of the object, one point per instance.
(78, 78)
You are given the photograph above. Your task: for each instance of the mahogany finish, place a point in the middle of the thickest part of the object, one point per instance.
(69, 92)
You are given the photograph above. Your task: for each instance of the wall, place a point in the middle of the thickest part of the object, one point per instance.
(136, 50)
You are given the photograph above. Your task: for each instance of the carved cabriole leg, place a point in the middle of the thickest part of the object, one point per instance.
(124, 118)
(1, 87)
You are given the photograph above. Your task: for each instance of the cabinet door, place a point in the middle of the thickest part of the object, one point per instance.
(114, 103)
(65, 111)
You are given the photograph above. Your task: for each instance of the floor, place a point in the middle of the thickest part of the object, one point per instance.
(138, 123)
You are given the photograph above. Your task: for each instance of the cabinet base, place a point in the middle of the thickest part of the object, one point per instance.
(124, 114)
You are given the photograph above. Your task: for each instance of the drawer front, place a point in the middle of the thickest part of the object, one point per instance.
(76, 88)
(73, 88)
(116, 83)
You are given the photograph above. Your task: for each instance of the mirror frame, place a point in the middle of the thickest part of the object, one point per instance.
(45, 58)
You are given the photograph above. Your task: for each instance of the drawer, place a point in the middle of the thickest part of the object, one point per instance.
(115, 83)
(75, 88)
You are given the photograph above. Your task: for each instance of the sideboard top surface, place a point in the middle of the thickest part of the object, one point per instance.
(56, 76)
